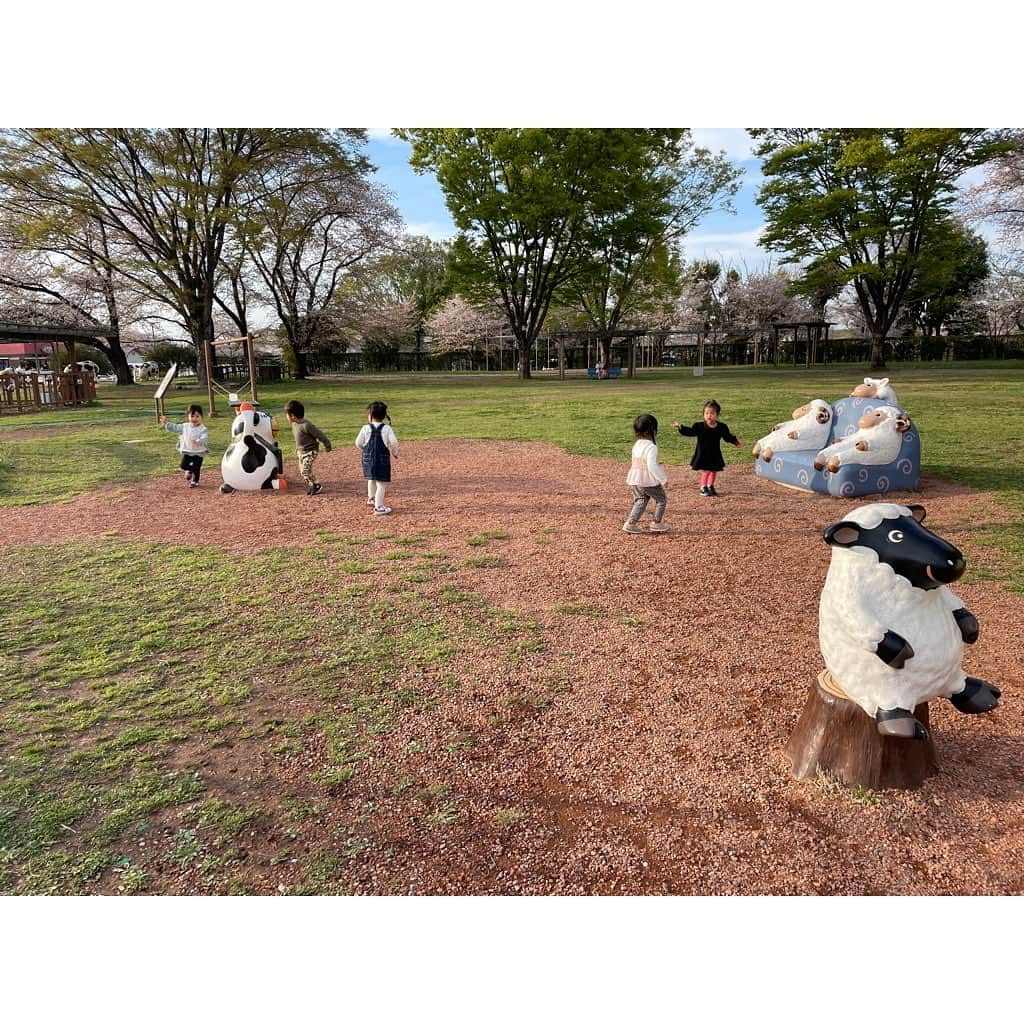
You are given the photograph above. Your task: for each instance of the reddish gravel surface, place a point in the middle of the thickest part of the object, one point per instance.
(657, 766)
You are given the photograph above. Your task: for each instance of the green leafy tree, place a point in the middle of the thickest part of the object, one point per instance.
(168, 352)
(820, 283)
(862, 201)
(630, 263)
(952, 268)
(417, 275)
(523, 201)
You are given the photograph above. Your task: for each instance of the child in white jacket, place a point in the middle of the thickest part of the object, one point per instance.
(646, 477)
(193, 442)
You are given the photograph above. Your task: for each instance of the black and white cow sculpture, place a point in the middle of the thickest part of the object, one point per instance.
(253, 460)
(891, 632)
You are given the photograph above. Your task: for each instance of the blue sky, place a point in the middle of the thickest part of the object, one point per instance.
(730, 238)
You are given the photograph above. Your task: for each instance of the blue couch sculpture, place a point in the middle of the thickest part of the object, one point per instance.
(796, 468)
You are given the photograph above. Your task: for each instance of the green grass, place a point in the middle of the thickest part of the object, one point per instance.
(116, 668)
(484, 562)
(119, 676)
(485, 537)
(951, 402)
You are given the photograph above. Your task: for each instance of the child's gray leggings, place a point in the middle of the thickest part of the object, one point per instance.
(642, 495)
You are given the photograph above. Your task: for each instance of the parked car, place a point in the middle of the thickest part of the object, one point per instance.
(106, 378)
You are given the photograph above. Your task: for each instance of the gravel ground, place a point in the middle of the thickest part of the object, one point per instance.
(644, 752)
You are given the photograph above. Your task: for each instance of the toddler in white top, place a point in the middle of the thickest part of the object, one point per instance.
(647, 478)
(379, 447)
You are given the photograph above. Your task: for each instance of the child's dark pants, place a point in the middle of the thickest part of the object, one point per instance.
(193, 463)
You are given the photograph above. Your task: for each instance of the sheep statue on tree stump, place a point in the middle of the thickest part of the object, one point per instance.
(892, 637)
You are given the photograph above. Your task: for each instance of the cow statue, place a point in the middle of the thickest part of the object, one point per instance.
(876, 442)
(807, 431)
(253, 460)
(891, 632)
(875, 387)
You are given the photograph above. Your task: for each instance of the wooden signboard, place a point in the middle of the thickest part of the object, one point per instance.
(162, 390)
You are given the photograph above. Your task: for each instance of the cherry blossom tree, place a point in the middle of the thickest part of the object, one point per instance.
(458, 326)
(309, 224)
(1000, 196)
(761, 299)
(167, 198)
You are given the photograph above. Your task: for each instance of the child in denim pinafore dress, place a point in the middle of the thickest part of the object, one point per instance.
(379, 446)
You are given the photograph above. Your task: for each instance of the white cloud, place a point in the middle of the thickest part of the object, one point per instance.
(739, 248)
(432, 229)
(381, 135)
(735, 141)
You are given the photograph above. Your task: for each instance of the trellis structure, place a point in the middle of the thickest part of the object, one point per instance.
(211, 384)
(815, 332)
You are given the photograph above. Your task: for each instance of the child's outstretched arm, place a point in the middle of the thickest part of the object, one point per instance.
(685, 431)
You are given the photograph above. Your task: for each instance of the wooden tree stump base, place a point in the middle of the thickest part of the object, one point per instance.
(834, 736)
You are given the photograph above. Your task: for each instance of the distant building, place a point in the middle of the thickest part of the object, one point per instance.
(33, 355)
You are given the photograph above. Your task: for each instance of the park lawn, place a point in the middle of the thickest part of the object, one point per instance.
(120, 678)
(971, 418)
(109, 698)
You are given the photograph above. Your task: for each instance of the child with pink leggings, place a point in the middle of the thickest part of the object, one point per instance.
(707, 456)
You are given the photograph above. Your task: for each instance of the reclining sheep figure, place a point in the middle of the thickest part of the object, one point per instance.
(891, 632)
(875, 387)
(877, 441)
(806, 431)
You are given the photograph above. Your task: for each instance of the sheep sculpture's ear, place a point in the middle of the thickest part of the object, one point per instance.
(843, 535)
(917, 511)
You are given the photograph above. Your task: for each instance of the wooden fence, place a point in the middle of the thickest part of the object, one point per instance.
(34, 392)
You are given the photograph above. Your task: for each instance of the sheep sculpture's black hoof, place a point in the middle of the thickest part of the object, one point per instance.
(976, 697)
(900, 723)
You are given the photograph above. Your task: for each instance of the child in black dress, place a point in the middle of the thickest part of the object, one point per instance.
(707, 456)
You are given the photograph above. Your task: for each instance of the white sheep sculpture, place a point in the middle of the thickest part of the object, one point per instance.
(890, 630)
(806, 431)
(876, 442)
(876, 387)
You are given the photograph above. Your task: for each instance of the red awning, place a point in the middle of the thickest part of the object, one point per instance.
(26, 348)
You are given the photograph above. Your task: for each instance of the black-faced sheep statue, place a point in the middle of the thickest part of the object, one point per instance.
(891, 631)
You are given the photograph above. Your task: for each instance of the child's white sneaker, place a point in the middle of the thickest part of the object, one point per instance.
(628, 527)
(382, 511)
(658, 526)
(370, 501)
